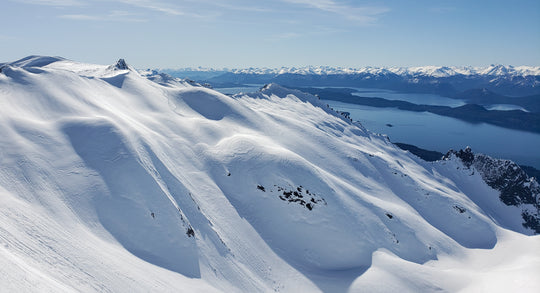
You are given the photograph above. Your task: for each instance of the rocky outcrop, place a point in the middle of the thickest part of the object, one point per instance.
(515, 186)
(121, 65)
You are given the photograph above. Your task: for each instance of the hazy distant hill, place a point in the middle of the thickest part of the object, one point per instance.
(443, 80)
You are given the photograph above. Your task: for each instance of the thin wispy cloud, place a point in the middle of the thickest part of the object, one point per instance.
(116, 16)
(157, 6)
(243, 8)
(81, 17)
(235, 5)
(172, 8)
(362, 31)
(52, 2)
(314, 31)
(361, 14)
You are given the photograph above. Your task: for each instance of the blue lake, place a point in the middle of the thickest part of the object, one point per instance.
(439, 133)
(434, 132)
(425, 99)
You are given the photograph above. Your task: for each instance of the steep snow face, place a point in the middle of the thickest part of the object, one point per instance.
(514, 186)
(114, 180)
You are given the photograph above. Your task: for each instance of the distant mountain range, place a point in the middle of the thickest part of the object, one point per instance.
(432, 71)
(443, 80)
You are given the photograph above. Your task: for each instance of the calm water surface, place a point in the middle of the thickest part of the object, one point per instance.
(423, 99)
(434, 132)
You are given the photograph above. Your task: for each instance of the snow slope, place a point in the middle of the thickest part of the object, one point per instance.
(115, 180)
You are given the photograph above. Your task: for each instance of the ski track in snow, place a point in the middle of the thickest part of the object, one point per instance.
(112, 180)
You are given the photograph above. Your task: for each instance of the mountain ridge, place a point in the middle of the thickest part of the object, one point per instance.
(433, 71)
(124, 180)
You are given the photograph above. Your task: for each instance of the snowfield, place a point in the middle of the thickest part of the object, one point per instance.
(113, 180)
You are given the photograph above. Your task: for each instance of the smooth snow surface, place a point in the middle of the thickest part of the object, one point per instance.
(115, 180)
(511, 266)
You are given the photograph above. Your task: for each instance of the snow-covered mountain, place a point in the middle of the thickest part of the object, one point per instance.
(428, 71)
(514, 186)
(117, 180)
(447, 81)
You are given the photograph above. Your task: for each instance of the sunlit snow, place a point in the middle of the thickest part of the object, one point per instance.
(115, 180)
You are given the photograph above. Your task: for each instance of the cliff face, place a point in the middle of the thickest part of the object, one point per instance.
(515, 186)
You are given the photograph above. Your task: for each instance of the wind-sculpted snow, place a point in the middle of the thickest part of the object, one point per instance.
(135, 197)
(115, 180)
(35, 61)
(207, 103)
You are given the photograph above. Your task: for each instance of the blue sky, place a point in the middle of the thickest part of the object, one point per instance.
(274, 33)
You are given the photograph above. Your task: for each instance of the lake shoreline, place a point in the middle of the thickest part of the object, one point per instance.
(432, 131)
(472, 113)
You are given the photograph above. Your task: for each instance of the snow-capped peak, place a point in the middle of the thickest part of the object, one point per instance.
(421, 71)
(121, 65)
(497, 70)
